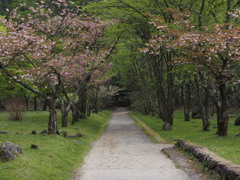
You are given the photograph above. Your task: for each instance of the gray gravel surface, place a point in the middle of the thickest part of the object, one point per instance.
(125, 153)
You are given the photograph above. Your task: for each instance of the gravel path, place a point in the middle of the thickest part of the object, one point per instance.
(125, 153)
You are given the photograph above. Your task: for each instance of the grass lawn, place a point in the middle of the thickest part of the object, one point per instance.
(57, 157)
(227, 147)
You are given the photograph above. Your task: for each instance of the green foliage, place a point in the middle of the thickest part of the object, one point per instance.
(57, 157)
(192, 131)
(9, 88)
(2, 28)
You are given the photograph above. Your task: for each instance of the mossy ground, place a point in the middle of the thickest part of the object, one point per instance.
(57, 157)
(227, 147)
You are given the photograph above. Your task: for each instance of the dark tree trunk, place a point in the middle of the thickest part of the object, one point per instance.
(90, 107)
(187, 114)
(205, 115)
(64, 114)
(159, 111)
(146, 110)
(203, 103)
(83, 103)
(27, 101)
(167, 115)
(94, 105)
(89, 110)
(186, 98)
(35, 103)
(52, 123)
(222, 111)
(75, 114)
(45, 104)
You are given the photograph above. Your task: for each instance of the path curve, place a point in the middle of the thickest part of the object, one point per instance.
(125, 153)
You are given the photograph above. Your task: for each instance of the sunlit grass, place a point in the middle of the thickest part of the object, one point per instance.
(227, 147)
(57, 157)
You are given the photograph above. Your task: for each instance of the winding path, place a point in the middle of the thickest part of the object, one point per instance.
(125, 153)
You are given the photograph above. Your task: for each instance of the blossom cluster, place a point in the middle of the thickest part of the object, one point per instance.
(53, 45)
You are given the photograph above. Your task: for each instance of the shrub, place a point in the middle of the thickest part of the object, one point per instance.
(15, 108)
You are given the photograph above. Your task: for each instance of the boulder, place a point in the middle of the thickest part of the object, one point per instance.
(44, 132)
(9, 151)
(167, 126)
(75, 136)
(237, 122)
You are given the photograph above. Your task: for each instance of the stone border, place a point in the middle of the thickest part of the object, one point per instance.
(226, 169)
(149, 130)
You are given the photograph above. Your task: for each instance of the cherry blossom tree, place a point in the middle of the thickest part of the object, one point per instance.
(213, 49)
(161, 54)
(50, 49)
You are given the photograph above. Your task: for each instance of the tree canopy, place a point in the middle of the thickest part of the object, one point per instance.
(169, 54)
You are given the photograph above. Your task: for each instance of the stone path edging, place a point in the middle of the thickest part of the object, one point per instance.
(149, 130)
(226, 169)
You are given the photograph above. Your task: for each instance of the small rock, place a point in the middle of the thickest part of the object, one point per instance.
(237, 122)
(167, 126)
(34, 146)
(3, 132)
(64, 134)
(60, 131)
(79, 135)
(44, 132)
(9, 151)
(75, 136)
(34, 132)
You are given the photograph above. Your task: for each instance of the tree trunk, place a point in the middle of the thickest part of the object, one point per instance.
(94, 105)
(89, 110)
(83, 103)
(75, 114)
(205, 114)
(167, 115)
(222, 111)
(27, 101)
(35, 103)
(64, 114)
(45, 105)
(186, 98)
(52, 123)
(203, 103)
(186, 114)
